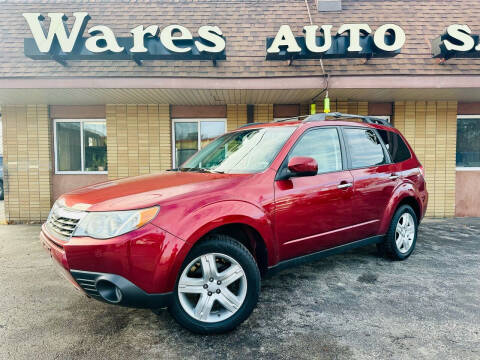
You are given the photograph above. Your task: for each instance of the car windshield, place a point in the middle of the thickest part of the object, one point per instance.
(241, 152)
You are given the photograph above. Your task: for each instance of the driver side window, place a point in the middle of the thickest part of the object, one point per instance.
(323, 145)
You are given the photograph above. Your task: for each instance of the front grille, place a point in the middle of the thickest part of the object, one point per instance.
(63, 222)
(63, 226)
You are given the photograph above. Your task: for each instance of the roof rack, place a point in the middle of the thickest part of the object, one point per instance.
(325, 116)
(337, 115)
(250, 124)
(291, 118)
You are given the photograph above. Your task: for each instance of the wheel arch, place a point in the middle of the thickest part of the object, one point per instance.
(247, 236)
(248, 223)
(403, 196)
(412, 202)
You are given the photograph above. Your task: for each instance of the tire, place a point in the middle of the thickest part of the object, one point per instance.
(1, 190)
(399, 244)
(232, 261)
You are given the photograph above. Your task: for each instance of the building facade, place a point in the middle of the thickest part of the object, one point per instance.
(135, 87)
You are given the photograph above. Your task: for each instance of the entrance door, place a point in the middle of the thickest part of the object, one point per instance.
(314, 212)
(190, 135)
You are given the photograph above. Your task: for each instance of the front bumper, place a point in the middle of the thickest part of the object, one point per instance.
(137, 269)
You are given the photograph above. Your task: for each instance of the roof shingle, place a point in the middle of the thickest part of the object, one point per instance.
(246, 25)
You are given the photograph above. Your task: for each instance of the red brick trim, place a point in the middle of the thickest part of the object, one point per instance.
(472, 108)
(198, 112)
(380, 109)
(284, 111)
(77, 112)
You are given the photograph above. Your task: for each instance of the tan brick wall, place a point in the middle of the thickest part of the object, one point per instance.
(263, 113)
(138, 139)
(431, 128)
(236, 116)
(27, 162)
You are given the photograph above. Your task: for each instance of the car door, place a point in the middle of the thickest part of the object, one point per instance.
(374, 177)
(313, 212)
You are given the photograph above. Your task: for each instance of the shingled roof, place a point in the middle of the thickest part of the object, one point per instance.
(246, 25)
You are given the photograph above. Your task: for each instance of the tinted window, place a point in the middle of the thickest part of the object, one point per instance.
(468, 143)
(365, 148)
(395, 145)
(324, 146)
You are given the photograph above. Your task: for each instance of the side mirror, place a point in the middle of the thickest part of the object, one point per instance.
(302, 166)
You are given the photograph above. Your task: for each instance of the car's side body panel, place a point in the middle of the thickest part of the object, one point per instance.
(305, 220)
(373, 188)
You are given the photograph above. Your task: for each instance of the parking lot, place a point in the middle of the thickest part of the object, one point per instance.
(350, 306)
(2, 212)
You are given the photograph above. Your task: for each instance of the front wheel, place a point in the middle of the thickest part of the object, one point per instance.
(218, 286)
(401, 237)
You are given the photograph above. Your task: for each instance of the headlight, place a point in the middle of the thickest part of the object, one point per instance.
(52, 210)
(104, 225)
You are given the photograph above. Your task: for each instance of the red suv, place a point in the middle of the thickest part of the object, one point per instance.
(197, 239)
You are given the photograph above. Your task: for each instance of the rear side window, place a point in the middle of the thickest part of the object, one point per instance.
(395, 145)
(365, 148)
(324, 146)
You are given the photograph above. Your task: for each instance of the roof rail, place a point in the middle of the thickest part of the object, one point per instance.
(293, 118)
(337, 115)
(250, 124)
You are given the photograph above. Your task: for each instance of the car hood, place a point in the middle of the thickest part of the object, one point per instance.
(144, 191)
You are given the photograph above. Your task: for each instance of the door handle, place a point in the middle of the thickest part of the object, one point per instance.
(344, 185)
(393, 176)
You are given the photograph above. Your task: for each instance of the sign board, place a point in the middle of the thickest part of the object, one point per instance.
(174, 42)
(359, 42)
(456, 42)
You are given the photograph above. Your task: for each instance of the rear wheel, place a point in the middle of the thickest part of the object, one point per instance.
(218, 286)
(401, 237)
(1, 190)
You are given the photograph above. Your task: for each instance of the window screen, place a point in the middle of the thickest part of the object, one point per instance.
(365, 148)
(324, 146)
(395, 145)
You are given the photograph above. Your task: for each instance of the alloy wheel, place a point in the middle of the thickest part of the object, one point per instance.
(212, 287)
(405, 232)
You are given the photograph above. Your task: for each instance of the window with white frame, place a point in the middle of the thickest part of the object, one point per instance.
(468, 142)
(80, 146)
(190, 135)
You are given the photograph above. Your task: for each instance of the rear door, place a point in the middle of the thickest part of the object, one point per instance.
(314, 212)
(374, 178)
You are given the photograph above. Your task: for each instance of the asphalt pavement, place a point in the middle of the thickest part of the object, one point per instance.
(350, 306)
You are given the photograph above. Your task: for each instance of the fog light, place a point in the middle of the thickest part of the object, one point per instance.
(109, 291)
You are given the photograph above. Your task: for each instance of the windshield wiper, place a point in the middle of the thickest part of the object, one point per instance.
(200, 170)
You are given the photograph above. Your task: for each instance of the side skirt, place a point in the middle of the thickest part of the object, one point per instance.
(323, 253)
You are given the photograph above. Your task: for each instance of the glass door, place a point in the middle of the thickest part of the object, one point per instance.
(190, 135)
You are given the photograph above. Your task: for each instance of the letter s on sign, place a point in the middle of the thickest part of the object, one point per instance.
(461, 34)
(212, 34)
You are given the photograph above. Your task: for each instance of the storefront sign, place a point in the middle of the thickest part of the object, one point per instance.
(174, 42)
(458, 42)
(387, 41)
